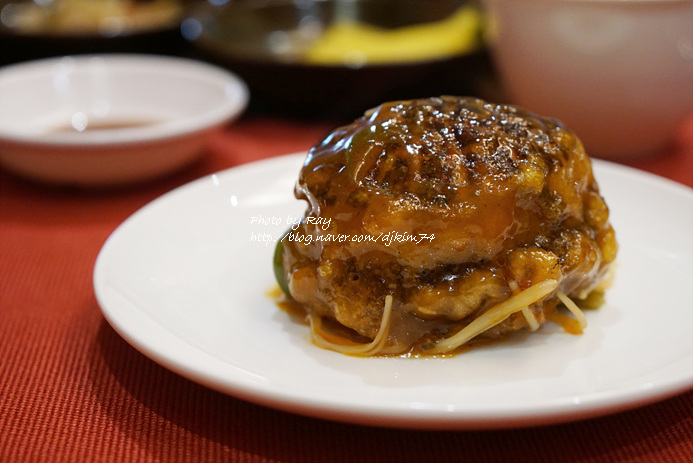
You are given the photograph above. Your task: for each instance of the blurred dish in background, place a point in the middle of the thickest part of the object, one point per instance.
(103, 120)
(337, 58)
(351, 42)
(105, 17)
(619, 73)
(36, 29)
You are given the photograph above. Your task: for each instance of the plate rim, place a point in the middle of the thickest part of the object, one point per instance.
(596, 404)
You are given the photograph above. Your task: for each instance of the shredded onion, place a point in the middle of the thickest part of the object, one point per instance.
(367, 349)
(531, 319)
(574, 309)
(494, 316)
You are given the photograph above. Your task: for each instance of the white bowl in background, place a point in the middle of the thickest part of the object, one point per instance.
(619, 73)
(102, 120)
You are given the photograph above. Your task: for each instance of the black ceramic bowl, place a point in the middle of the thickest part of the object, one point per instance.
(240, 35)
(19, 43)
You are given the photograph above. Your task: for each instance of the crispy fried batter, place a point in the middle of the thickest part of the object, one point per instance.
(501, 199)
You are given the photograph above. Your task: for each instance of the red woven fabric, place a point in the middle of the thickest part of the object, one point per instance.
(71, 390)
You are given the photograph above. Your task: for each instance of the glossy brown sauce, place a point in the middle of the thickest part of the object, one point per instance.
(508, 198)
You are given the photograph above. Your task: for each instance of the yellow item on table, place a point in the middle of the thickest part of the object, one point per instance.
(355, 43)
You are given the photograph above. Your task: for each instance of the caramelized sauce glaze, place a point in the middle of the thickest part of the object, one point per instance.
(504, 198)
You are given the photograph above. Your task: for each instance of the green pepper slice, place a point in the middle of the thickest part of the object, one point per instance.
(278, 264)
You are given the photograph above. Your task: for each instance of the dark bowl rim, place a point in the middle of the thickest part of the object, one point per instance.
(208, 44)
(249, 60)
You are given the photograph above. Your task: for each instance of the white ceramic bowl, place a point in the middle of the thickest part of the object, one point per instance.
(105, 120)
(617, 72)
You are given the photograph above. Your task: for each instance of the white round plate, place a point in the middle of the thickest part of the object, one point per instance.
(185, 281)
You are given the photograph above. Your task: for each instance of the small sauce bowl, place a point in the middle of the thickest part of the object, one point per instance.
(102, 120)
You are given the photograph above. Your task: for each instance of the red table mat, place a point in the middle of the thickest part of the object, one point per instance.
(71, 390)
